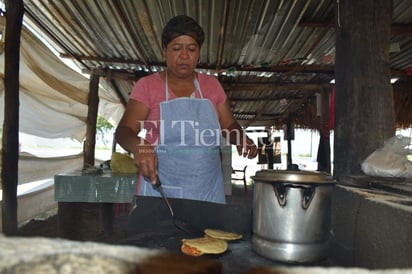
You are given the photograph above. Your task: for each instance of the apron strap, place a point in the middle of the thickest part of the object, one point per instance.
(195, 81)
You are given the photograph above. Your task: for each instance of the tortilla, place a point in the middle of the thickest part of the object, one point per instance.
(224, 235)
(203, 245)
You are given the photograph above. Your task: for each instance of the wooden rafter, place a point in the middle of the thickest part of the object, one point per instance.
(396, 29)
(326, 69)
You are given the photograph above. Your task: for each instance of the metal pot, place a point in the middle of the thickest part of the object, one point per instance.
(291, 215)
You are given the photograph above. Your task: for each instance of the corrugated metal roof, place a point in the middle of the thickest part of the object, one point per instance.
(271, 55)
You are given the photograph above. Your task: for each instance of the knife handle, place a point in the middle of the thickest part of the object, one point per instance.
(157, 184)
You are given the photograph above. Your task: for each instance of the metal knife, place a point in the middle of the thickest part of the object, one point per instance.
(159, 187)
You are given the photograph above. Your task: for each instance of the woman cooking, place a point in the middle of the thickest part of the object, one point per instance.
(184, 114)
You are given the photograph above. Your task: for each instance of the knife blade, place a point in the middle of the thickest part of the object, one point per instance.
(159, 187)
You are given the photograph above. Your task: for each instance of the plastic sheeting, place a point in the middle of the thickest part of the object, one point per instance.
(107, 187)
(53, 97)
(32, 168)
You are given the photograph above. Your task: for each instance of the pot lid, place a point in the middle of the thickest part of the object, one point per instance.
(288, 176)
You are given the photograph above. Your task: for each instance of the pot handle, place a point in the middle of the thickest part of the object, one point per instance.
(281, 193)
(307, 196)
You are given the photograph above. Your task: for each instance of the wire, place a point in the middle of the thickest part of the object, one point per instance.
(338, 11)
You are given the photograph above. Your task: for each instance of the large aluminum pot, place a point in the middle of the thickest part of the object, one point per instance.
(291, 215)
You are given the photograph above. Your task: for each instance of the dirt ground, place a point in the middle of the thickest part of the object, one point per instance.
(47, 225)
(44, 225)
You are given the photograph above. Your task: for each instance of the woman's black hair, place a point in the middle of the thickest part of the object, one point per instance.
(182, 25)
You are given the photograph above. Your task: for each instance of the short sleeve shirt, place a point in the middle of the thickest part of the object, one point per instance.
(150, 90)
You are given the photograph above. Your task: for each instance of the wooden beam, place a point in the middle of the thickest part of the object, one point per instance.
(326, 69)
(110, 60)
(271, 86)
(10, 140)
(364, 99)
(402, 29)
(267, 115)
(93, 105)
(317, 24)
(115, 74)
(253, 99)
(324, 161)
(396, 29)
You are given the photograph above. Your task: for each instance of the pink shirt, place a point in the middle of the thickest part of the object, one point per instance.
(150, 90)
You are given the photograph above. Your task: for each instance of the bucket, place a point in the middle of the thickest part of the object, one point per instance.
(291, 215)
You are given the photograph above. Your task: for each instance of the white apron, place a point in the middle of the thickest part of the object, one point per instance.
(188, 150)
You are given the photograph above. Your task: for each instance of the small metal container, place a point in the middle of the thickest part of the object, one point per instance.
(291, 215)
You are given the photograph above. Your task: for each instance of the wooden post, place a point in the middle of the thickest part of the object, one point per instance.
(290, 135)
(364, 102)
(324, 132)
(93, 104)
(10, 142)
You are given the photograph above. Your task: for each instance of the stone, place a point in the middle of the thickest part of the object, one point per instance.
(44, 255)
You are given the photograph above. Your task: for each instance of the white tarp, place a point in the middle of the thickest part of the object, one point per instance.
(53, 104)
(53, 97)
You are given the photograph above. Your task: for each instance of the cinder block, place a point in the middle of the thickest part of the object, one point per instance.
(384, 235)
(371, 228)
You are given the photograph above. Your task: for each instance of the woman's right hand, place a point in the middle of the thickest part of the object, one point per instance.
(145, 158)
